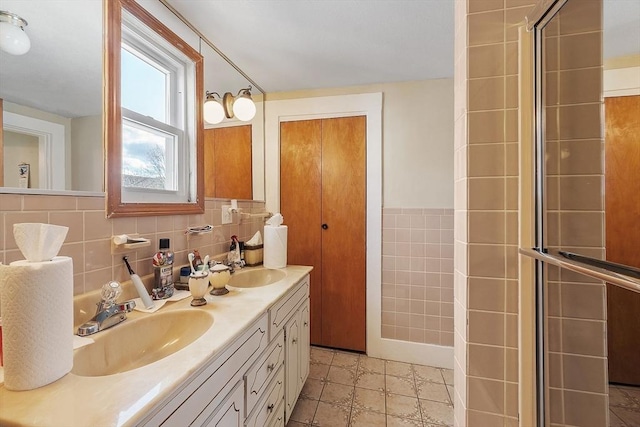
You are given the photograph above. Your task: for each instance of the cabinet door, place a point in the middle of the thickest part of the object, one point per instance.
(292, 361)
(230, 412)
(305, 344)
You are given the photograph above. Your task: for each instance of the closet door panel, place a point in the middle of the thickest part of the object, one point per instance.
(622, 186)
(232, 170)
(300, 204)
(344, 237)
(227, 162)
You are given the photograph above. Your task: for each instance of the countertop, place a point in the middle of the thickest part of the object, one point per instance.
(123, 399)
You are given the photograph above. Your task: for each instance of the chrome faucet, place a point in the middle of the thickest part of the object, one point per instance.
(109, 313)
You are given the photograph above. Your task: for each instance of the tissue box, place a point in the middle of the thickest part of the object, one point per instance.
(253, 255)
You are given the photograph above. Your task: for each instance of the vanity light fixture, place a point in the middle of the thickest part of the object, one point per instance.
(13, 39)
(243, 106)
(240, 106)
(213, 110)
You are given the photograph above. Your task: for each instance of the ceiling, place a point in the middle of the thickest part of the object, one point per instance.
(287, 45)
(283, 45)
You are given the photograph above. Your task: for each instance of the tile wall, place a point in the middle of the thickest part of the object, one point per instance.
(417, 275)
(486, 211)
(88, 241)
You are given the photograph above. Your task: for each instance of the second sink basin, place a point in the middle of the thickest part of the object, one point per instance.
(256, 278)
(136, 343)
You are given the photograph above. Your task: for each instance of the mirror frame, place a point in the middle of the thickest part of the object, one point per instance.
(112, 120)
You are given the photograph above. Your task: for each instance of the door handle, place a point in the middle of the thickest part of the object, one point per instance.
(325, 226)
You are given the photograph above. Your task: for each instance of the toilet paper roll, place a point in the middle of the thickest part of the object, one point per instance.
(275, 246)
(36, 300)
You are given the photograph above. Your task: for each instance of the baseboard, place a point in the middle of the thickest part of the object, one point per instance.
(412, 352)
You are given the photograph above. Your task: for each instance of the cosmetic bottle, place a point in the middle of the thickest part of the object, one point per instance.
(163, 271)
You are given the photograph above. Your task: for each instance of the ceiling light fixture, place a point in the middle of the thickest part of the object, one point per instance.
(13, 39)
(241, 106)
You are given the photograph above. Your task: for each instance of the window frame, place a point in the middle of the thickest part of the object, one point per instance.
(192, 173)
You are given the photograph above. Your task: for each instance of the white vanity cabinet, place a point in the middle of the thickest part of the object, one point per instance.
(200, 398)
(256, 380)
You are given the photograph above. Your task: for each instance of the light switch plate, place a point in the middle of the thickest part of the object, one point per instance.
(226, 214)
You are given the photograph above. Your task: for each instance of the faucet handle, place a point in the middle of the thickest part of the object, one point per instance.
(110, 291)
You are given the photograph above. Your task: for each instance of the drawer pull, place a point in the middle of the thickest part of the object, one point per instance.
(294, 341)
(270, 367)
(270, 407)
(306, 323)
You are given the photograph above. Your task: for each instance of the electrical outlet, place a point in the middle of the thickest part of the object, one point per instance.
(227, 217)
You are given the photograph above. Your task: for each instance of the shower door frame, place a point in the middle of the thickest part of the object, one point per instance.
(621, 276)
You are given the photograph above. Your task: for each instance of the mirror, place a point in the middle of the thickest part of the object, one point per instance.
(55, 85)
(66, 35)
(223, 179)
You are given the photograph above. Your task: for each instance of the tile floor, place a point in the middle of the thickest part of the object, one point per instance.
(624, 406)
(348, 389)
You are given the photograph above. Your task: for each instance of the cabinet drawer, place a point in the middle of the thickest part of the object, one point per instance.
(283, 309)
(278, 417)
(214, 381)
(263, 370)
(266, 409)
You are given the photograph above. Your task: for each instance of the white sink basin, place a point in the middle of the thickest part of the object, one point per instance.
(136, 343)
(256, 278)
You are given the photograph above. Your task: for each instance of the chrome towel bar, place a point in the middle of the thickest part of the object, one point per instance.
(609, 272)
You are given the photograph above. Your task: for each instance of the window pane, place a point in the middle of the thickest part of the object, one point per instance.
(148, 157)
(143, 87)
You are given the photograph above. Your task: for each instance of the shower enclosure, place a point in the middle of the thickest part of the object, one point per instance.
(586, 198)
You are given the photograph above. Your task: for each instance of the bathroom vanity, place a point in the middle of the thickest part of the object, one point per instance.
(247, 367)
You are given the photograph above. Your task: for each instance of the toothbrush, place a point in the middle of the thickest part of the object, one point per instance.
(137, 282)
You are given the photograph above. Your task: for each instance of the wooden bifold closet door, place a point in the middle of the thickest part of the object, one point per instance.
(323, 201)
(228, 163)
(622, 210)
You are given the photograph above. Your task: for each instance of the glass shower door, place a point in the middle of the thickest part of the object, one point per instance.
(572, 268)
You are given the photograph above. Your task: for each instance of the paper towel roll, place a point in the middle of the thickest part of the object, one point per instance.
(36, 300)
(275, 246)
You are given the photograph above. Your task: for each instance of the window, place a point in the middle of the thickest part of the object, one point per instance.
(157, 135)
